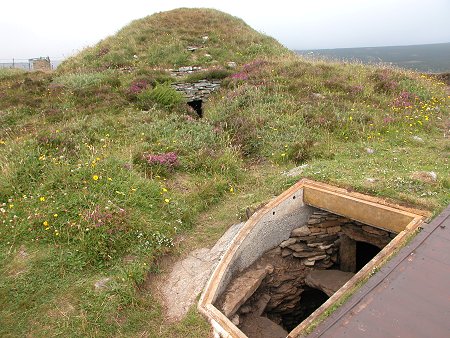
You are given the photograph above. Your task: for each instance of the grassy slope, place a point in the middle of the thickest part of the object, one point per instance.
(160, 41)
(78, 203)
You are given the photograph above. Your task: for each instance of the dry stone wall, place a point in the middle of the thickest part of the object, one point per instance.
(200, 90)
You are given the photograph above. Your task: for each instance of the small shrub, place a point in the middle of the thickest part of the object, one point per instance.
(404, 100)
(168, 160)
(163, 95)
(385, 81)
(302, 151)
(158, 164)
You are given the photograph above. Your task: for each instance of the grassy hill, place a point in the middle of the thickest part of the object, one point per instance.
(105, 170)
(160, 40)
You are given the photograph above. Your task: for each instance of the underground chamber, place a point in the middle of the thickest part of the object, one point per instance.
(297, 255)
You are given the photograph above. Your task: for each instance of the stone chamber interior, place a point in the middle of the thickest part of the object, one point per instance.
(289, 282)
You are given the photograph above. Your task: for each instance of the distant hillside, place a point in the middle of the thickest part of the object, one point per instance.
(432, 58)
(181, 37)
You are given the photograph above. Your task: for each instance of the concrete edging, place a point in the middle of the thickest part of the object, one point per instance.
(345, 202)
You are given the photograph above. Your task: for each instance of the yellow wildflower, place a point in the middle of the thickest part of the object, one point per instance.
(231, 189)
(55, 215)
(95, 177)
(42, 198)
(166, 200)
(45, 223)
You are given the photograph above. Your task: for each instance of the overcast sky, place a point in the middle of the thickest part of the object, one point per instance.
(61, 28)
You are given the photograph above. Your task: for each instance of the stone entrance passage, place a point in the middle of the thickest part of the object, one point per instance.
(197, 106)
(290, 281)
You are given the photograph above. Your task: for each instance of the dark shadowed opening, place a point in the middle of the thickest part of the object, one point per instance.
(364, 253)
(197, 106)
(310, 300)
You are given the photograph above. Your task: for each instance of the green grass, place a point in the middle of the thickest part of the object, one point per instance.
(160, 40)
(79, 202)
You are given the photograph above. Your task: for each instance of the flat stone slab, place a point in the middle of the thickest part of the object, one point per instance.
(241, 289)
(189, 276)
(329, 281)
(262, 327)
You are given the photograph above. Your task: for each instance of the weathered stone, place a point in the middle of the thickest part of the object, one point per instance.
(356, 233)
(275, 251)
(333, 230)
(306, 238)
(315, 245)
(305, 254)
(332, 223)
(329, 281)
(373, 230)
(316, 258)
(245, 309)
(325, 247)
(324, 265)
(269, 269)
(302, 231)
(347, 254)
(286, 252)
(288, 242)
(295, 171)
(371, 180)
(298, 247)
(261, 304)
(102, 283)
(262, 327)
(316, 231)
(321, 212)
(308, 263)
(199, 90)
(235, 320)
(327, 237)
(231, 64)
(313, 221)
(241, 289)
(318, 96)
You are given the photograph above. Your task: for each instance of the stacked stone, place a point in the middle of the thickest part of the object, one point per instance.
(317, 242)
(197, 90)
(182, 71)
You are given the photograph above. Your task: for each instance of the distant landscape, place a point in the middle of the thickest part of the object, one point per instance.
(431, 58)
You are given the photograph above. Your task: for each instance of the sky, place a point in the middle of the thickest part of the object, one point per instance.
(62, 28)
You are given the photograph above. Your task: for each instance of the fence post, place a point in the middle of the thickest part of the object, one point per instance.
(13, 63)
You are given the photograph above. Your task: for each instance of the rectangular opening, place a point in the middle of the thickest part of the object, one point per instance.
(298, 255)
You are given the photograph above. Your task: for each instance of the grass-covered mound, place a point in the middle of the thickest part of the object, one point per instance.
(161, 40)
(103, 173)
